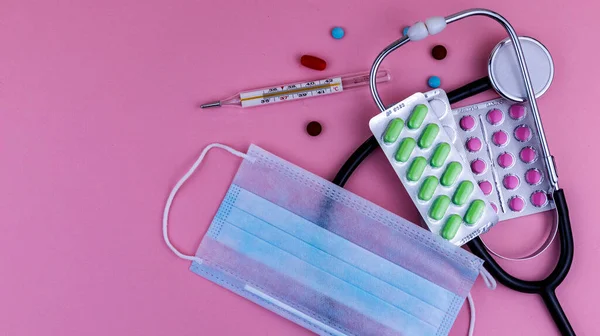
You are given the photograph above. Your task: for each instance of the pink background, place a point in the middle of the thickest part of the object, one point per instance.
(99, 118)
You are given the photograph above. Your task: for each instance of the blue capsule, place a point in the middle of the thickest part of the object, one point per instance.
(337, 33)
(434, 82)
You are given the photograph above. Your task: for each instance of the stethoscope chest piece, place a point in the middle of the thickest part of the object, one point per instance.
(504, 71)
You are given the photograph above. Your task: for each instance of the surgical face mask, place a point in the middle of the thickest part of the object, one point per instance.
(325, 258)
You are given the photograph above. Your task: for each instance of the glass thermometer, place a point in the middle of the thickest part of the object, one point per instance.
(300, 90)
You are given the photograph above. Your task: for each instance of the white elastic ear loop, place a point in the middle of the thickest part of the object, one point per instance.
(490, 283)
(472, 310)
(178, 185)
(489, 280)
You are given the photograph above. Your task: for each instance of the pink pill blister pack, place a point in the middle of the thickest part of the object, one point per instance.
(503, 149)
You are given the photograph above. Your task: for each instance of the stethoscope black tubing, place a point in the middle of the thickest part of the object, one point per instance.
(546, 287)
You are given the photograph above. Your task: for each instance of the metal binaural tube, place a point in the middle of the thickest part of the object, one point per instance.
(375, 68)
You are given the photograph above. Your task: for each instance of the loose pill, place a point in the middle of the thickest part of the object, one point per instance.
(417, 116)
(473, 144)
(510, 181)
(439, 52)
(428, 136)
(506, 160)
(495, 116)
(474, 212)
(440, 155)
(539, 198)
(516, 111)
(313, 62)
(486, 187)
(314, 128)
(500, 138)
(467, 123)
(478, 166)
(439, 207)
(428, 188)
(393, 130)
(528, 155)
(533, 176)
(405, 149)
(451, 227)
(523, 133)
(337, 33)
(462, 193)
(434, 82)
(416, 169)
(516, 203)
(451, 173)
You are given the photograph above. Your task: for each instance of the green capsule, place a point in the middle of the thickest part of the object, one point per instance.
(440, 155)
(439, 207)
(462, 193)
(393, 130)
(474, 212)
(405, 149)
(451, 174)
(428, 136)
(416, 169)
(428, 188)
(451, 227)
(416, 118)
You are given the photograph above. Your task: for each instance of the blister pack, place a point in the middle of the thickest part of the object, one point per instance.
(503, 149)
(432, 170)
(440, 104)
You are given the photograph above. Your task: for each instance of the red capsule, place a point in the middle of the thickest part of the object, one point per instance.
(313, 62)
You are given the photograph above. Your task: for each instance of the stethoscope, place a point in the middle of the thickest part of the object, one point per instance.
(546, 287)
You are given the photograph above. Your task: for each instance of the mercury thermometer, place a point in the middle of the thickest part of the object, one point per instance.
(300, 90)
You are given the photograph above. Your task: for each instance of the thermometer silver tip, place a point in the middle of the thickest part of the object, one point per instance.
(215, 104)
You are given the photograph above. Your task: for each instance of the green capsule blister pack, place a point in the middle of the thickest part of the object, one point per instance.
(432, 169)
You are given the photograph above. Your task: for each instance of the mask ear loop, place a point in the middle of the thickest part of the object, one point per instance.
(490, 283)
(179, 184)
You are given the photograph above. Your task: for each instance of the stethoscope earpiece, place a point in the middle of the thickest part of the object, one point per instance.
(421, 30)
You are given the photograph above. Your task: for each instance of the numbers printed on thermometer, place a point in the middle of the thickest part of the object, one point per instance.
(290, 92)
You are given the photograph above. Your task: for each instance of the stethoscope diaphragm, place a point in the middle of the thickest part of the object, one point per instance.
(505, 74)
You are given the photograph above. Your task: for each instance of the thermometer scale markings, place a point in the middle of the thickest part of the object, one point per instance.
(291, 91)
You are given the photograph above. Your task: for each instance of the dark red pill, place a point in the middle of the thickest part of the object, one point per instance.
(314, 128)
(313, 62)
(439, 52)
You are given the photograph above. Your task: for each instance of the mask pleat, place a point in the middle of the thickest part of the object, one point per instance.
(229, 263)
(373, 228)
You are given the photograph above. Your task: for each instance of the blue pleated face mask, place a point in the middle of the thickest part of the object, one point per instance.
(325, 258)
